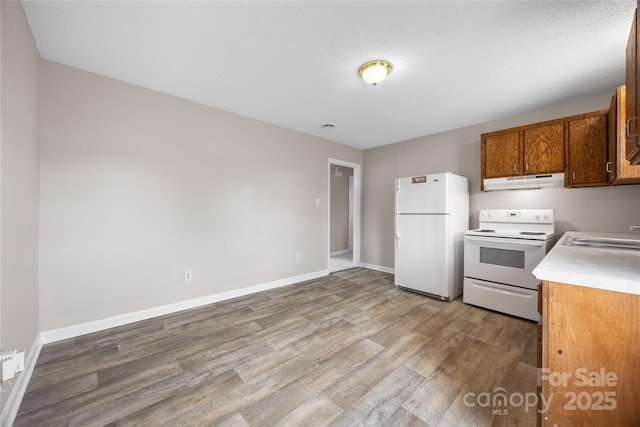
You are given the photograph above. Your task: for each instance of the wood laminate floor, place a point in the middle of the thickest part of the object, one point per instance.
(346, 349)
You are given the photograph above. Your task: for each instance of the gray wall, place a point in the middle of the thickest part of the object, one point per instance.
(18, 182)
(138, 186)
(610, 209)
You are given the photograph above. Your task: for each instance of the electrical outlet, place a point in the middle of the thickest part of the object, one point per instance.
(11, 363)
(298, 258)
(188, 276)
(8, 368)
(19, 358)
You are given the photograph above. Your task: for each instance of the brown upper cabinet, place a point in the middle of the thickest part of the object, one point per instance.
(575, 146)
(619, 169)
(544, 149)
(526, 150)
(502, 154)
(632, 80)
(587, 151)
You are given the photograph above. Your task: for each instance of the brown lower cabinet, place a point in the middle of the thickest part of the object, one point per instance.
(589, 357)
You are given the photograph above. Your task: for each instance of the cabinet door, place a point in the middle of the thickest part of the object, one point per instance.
(612, 143)
(503, 154)
(544, 149)
(631, 80)
(588, 151)
(590, 372)
(622, 171)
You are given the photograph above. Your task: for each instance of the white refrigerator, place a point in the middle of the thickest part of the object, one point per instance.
(431, 216)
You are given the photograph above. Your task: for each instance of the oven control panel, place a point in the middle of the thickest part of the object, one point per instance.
(519, 216)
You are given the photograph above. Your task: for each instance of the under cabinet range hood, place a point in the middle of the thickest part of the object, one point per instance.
(524, 182)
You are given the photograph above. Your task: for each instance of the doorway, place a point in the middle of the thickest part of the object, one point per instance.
(344, 215)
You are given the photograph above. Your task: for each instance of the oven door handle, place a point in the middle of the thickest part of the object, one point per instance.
(507, 241)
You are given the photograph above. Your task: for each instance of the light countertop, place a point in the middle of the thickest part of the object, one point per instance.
(602, 268)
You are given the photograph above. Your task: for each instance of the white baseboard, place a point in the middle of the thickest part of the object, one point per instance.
(20, 387)
(377, 268)
(111, 322)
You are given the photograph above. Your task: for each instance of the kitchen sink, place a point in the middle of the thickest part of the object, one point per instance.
(602, 242)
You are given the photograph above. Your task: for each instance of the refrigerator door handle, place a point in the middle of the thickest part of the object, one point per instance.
(396, 217)
(397, 233)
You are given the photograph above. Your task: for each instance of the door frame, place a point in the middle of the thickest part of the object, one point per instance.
(357, 214)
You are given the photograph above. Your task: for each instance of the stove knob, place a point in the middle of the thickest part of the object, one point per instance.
(537, 217)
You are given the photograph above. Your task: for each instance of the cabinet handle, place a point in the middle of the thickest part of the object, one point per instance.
(607, 168)
(526, 166)
(515, 168)
(627, 127)
(573, 175)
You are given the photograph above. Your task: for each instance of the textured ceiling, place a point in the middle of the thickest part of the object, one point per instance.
(295, 63)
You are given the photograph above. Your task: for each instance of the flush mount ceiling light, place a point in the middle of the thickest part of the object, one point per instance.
(373, 72)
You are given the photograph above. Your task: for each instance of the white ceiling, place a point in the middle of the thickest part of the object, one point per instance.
(295, 63)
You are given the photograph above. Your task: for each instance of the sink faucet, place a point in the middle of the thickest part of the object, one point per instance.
(634, 227)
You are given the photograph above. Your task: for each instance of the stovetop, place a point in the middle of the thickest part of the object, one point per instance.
(512, 234)
(529, 224)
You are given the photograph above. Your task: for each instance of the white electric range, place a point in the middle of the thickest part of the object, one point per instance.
(499, 258)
